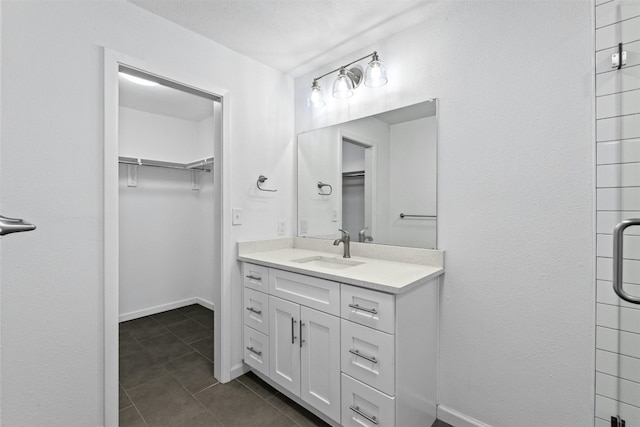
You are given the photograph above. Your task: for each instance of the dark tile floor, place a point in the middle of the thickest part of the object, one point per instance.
(166, 379)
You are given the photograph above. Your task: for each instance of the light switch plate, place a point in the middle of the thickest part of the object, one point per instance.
(236, 213)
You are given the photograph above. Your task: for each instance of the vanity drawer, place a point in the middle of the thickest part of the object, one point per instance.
(256, 310)
(255, 277)
(365, 406)
(367, 307)
(323, 295)
(368, 355)
(256, 350)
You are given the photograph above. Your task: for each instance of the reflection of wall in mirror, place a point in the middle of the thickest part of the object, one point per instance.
(413, 163)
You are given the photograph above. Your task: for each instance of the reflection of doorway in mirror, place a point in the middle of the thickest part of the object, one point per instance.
(357, 190)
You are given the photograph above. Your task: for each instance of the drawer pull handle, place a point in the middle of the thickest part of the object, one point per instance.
(253, 350)
(253, 310)
(252, 277)
(364, 356)
(357, 410)
(368, 310)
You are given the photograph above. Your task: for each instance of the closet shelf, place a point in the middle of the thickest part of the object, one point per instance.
(204, 165)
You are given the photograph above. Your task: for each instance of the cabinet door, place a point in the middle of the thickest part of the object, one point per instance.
(320, 361)
(284, 346)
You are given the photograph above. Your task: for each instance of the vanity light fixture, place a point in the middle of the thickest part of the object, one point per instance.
(349, 79)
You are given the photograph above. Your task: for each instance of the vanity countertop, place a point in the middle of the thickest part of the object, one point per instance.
(380, 275)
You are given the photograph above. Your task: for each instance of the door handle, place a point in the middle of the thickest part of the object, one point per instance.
(618, 259)
(14, 225)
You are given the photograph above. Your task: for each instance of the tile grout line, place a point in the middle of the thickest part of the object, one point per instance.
(269, 403)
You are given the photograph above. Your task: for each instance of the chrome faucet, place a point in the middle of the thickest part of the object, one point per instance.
(346, 240)
(362, 237)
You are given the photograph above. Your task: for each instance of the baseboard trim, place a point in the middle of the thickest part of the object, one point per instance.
(457, 419)
(205, 303)
(164, 307)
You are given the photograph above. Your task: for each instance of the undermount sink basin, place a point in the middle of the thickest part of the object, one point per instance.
(328, 262)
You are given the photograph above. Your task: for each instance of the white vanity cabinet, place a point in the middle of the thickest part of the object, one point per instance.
(305, 360)
(354, 355)
(302, 337)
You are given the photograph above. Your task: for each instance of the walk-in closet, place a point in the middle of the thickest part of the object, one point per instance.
(166, 135)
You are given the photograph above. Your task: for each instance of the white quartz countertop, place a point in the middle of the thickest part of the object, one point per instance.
(381, 275)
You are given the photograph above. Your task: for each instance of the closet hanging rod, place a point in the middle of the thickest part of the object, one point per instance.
(353, 174)
(199, 165)
(403, 215)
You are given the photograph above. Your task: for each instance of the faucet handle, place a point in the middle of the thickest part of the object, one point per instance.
(345, 233)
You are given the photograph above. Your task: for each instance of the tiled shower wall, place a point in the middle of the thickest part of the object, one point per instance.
(618, 198)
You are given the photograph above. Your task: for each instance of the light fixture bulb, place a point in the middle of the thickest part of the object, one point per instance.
(138, 80)
(343, 86)
(375, 74)
(316, 99)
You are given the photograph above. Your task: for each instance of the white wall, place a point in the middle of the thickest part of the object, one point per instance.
(158, 137)
(52, 97)
(166, 228)
(515, 203)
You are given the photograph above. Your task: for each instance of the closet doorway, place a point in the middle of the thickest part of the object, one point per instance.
(164, 229)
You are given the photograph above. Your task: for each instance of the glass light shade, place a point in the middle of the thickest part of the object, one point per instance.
(375, 75)
(316, 98)
(343, 86)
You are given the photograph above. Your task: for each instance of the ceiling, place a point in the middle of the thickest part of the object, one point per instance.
(164, 100)
(292, 36)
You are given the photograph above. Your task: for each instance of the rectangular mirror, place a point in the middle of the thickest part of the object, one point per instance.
(375, 177)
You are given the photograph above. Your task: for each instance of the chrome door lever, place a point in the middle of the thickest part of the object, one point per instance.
(14, 225)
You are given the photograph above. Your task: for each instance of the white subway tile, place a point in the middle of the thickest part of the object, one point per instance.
(622, 32)
(618, 199)
(616, 11)
(618, 365)
(622, 318)
(606, 408)
(631, 273)
(618, 389)
(620, 175)
(622, 342)
(617, 81)
(615, 128)
(626, 151)
(606, 221)
(606, 294)
(631, 246)
(618, 104)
